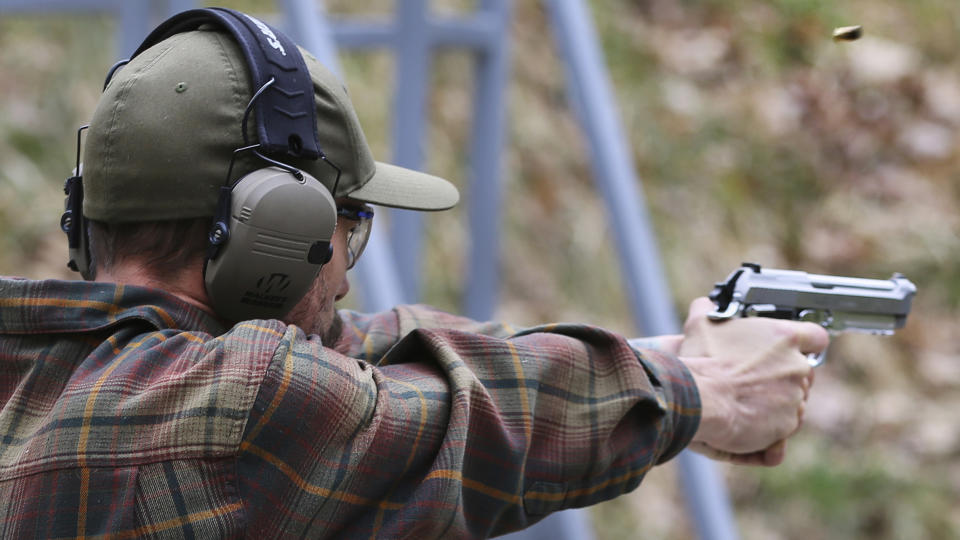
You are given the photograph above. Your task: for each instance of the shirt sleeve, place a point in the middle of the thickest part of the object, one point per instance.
(369, 336)
(455, 433)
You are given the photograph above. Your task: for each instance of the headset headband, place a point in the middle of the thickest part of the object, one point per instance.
(286, 122)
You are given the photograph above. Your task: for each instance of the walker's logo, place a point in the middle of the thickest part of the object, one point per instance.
(274, 282)
(271, 37)
(269, 291)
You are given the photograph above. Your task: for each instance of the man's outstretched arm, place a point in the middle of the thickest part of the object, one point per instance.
(457, 434)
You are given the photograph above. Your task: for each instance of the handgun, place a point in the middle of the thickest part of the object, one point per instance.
(839, 304)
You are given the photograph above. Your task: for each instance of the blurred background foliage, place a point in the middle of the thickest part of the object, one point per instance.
(758, 138)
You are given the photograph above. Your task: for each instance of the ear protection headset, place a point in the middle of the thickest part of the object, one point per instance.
(273, 228)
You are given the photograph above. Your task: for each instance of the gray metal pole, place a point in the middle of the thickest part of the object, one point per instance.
(639, 255)
(485, 202)
(411, 76)
(135, 24)
(380, 286)
(176, 6)
(486, 171)
(307, 24)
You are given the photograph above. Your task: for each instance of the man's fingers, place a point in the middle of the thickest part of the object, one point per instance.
(769, 457)
(701, 306)
(807, 383)
(774, 455)
(811, 338)
(710, 452)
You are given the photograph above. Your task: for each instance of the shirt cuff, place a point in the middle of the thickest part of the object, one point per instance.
(678, 397)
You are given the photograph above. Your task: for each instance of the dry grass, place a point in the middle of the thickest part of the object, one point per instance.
(757, 138)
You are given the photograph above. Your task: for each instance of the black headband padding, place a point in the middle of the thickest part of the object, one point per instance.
(286, 119)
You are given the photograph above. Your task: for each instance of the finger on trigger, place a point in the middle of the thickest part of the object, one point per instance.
(811, 338)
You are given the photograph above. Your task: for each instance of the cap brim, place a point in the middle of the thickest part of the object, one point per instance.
(397, 187)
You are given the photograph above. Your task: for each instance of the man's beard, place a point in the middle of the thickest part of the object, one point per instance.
(319, 316)
(331, 334)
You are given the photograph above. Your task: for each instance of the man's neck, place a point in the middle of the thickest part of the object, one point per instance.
(186, 285)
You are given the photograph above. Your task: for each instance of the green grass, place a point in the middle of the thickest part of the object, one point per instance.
(853, 497)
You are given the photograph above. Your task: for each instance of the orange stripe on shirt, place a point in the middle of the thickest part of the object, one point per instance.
(313, 489)
(522, 388)
(106, 307)
(278, 398)
(553, 496)
(178, 521)
(451, 474)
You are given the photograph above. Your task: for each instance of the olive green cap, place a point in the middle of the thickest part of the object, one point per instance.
(163, 134)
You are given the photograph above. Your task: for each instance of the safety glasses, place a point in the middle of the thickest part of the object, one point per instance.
(359, 233)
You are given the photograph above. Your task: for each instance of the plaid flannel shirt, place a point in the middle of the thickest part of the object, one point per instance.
(129, 413)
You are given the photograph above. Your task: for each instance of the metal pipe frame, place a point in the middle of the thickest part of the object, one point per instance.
(594, 100)
(384, 283)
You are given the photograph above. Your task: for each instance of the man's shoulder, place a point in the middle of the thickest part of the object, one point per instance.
(121, 379)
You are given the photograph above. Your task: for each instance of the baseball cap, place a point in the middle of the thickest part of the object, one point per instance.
(165, 129)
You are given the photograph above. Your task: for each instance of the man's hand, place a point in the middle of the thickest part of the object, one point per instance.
(754, 378)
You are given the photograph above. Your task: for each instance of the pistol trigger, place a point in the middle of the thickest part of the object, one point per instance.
(733, 308)
(816, 359)
(823, 318)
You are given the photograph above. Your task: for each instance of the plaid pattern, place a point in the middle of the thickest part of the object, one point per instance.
(128, 413)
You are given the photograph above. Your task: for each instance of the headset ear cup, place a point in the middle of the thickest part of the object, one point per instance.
(280, 234)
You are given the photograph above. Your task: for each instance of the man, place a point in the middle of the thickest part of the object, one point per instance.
(133, 406)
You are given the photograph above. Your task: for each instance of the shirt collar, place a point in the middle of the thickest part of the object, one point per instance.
(53, 306)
